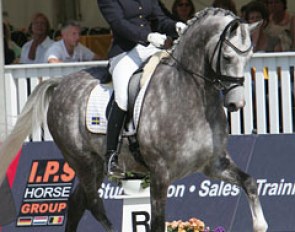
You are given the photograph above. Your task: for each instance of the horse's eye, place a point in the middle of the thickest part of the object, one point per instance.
(227, 58)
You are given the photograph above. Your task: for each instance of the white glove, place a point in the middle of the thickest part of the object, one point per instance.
(157, 39)
(180, 28)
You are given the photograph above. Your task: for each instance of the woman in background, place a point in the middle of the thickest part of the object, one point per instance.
(262, 42)
(183, 10)
(34, 50)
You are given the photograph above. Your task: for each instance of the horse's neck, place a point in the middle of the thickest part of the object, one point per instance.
(191, 63)
(190, 51)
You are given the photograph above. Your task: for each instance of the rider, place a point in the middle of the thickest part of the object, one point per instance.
(133, 42)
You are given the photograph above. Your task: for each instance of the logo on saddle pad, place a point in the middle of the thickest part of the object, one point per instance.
(96, 118)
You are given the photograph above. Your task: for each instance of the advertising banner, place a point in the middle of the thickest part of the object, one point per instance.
(44, 181)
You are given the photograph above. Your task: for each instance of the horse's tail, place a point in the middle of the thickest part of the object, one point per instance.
(32, 116)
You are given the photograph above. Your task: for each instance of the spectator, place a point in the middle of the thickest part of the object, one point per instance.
(282, 23)
(69, 49)
(262, 42)
(33, 51)
(11, 44)
(9, 55)
(226, 4)
(9, 28)
(183, 10)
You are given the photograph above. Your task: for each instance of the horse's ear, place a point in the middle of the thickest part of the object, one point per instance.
(254, 26)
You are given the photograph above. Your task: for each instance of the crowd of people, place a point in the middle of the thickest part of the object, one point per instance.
(38, 47)
(276, 33)
(277, 30)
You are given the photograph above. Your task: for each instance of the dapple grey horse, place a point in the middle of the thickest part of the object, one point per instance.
(182, 126)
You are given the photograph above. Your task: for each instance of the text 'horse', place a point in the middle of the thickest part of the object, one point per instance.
(182, 126)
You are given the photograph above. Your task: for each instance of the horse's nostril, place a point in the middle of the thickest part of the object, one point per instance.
(232, 107)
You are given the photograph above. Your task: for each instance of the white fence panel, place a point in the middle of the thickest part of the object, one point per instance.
(269, 95)
(273, 96)
(286, 109)
(247, 111)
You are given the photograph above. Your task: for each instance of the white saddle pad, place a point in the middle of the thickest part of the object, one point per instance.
(96, 121)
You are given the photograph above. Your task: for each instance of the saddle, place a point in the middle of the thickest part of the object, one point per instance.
(101, 97)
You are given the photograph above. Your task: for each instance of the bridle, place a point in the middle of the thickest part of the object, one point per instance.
(220, 80)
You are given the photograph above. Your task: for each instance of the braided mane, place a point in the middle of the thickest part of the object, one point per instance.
(203, 14)
(209, 11)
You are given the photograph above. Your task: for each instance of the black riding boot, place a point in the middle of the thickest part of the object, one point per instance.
(115, 124)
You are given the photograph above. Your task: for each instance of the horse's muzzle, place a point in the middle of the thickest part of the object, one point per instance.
(232, 107)
(234, 99)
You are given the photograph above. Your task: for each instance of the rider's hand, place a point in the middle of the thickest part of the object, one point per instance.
(157, 39)
(180, 28)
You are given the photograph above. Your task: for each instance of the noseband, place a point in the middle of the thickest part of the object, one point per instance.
(220, 78)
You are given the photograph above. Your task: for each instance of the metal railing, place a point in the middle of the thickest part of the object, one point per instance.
(268, 92)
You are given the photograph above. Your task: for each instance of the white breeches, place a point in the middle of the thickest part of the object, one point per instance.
(123, 66)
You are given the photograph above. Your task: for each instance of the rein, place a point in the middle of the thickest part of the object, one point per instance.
(219, 79)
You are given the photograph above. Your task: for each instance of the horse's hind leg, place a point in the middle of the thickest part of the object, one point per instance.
(225, 169)
(90, 174)
(76, 209)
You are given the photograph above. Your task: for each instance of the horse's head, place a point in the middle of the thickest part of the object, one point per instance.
(216, 47)
(229, 52)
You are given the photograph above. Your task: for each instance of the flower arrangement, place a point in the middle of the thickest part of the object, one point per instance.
(192, 225)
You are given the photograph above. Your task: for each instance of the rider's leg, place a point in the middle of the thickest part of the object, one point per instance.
(121, 68)
(115, 124)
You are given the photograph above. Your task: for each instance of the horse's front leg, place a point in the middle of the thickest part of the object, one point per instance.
(159, 186)
(225, 169)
